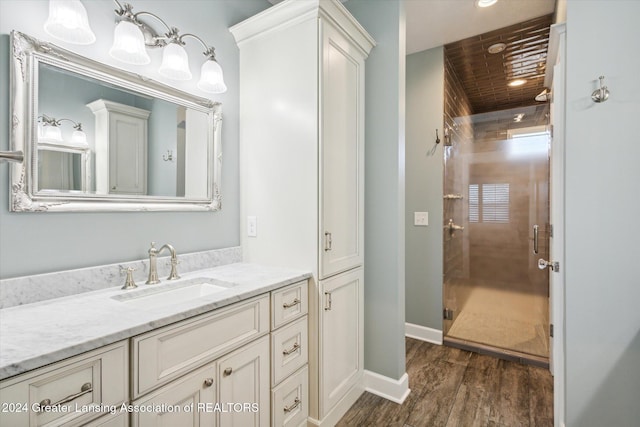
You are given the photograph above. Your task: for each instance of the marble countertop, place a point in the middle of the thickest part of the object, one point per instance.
(34, 335)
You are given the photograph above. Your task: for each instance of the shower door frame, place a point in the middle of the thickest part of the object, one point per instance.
(467, 160)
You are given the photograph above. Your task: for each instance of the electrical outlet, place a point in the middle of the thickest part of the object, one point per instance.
(252, 226)
(421, 218)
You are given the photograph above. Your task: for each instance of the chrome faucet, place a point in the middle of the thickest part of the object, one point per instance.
(153, 267)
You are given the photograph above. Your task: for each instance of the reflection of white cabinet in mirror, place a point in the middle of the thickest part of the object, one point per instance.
(121, 148)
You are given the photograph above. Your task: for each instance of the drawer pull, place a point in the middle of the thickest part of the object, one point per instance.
(327, 302)
(295, 347)
(296, 403)
(228, 372)
(291, 304)
(86, 388)
(208, 382)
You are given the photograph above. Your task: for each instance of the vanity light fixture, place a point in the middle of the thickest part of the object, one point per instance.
(51, 132)
(68, 22)
(132, 35)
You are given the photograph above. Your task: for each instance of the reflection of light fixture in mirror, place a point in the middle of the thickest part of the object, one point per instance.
(518, 117)
(68, 22)
(175, 62)
(51, 132)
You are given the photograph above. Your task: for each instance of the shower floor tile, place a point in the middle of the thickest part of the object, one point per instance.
(505, 319)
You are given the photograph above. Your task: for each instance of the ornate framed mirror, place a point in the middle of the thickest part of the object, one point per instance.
(97, 138)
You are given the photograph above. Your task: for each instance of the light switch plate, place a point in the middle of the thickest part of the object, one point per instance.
(252, 226)
(421, 218)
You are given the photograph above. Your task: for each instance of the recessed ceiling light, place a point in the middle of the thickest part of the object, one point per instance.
(485, 3)
(517, 82)
(496, 48)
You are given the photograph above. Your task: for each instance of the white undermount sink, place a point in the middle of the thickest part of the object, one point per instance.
(170, 294)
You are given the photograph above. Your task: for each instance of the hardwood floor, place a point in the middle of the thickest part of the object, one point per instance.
(451, 387)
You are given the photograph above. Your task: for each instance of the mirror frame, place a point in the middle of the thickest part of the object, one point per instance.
(27, 53)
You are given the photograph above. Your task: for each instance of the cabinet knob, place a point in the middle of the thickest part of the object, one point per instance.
(228, 372)
(208, 382)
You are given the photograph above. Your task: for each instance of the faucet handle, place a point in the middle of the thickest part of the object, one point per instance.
(129, 283)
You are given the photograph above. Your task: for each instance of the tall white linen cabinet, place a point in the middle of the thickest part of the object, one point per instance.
(302, 70)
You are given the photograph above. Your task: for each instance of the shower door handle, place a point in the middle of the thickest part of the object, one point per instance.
(535, 238)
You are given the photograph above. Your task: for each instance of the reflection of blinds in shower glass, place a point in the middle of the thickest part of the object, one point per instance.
(474, 210)
(495, 202)
(494, 206)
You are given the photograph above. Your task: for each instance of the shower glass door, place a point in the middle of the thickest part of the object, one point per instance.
(496, 193)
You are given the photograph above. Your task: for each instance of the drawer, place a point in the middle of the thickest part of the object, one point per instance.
(170, 352)
(290, 401)
(184, 402)
(121, 420)
(78, 390)
(289, 303)
(289, 347)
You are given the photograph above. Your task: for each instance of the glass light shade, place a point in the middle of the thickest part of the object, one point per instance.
(175, 63)
(68, 22)
(51, 133)
(128, 44)
(211, 78)
(79, 139)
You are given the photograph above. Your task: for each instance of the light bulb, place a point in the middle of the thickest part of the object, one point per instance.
(128, 44)
(68, 22)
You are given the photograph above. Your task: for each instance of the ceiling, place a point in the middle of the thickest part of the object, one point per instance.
(484, 76)
(432, 23)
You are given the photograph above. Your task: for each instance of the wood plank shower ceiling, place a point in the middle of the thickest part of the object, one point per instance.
(485, 76)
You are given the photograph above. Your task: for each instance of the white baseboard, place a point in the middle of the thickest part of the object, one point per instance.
(423, 333)
(393, 390)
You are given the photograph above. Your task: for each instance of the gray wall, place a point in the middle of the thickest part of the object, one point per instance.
(602, 215)
(425, 105)
(384, 181)
(33, 243)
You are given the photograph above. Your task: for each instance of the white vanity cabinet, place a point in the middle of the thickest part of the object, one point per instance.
(233, 342)
(121, 147)
(302, 168)
(71, 392)
(226, 367)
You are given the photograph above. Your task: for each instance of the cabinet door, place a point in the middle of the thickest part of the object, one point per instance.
(341, 337)
(127, 154)
(189, 401)
(243, 380)
(342, 148)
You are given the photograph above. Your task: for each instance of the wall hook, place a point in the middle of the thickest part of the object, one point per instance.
(168, 157)
(602, 94)
(437, 137)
